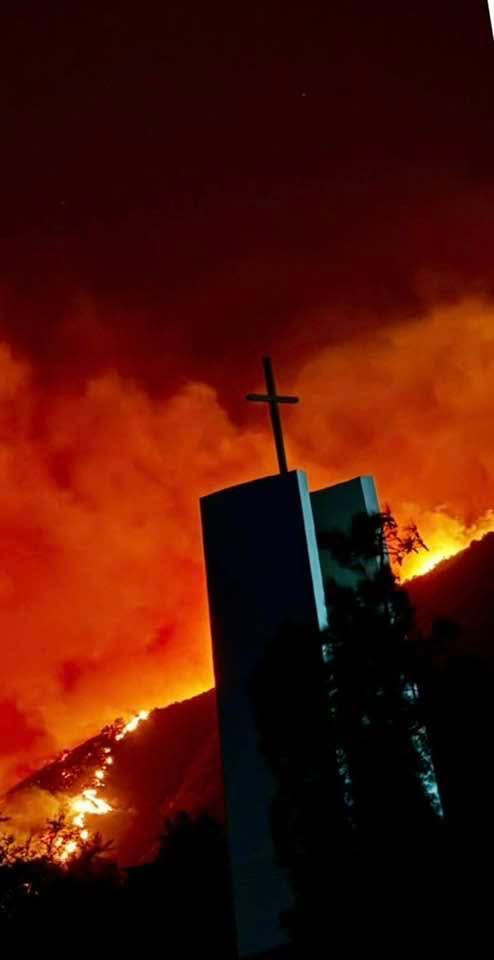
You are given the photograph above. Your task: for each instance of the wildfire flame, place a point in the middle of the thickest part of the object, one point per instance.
(445, 536)
(89, 802)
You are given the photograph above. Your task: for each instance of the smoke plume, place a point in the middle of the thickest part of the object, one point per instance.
(102, 598)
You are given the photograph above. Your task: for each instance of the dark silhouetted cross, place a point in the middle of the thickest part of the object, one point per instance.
(274, 401)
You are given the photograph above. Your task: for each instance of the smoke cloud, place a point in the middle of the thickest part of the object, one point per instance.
(102, 597)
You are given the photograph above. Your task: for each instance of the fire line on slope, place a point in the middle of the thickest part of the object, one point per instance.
(89, 802)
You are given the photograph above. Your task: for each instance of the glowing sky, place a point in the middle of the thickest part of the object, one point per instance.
(184, 190)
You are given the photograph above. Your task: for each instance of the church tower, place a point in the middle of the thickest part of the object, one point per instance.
(263, 574)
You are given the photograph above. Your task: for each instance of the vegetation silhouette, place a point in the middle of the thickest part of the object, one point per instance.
(181, 899)
(356, 814)
(347, 723)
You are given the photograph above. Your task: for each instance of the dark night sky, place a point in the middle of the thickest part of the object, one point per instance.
(185, 185)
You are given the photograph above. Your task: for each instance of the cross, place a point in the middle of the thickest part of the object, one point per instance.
(274, 401)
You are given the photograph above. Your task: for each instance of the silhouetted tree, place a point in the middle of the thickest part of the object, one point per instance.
(181, 900)
(183, 897)
(373, 673)
(47, 899)
(343, 728)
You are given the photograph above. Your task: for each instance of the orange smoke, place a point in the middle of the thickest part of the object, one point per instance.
(413, 405)
(102, 598)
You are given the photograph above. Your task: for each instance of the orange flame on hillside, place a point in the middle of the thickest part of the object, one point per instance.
(90, 803)
(445, 536)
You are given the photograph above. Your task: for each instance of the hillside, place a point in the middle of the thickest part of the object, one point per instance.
(460, 589)
(171, 761)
